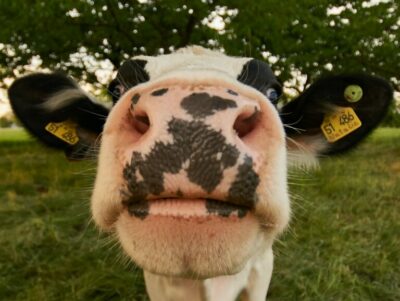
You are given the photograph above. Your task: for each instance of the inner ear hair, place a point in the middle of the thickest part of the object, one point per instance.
(303, 151)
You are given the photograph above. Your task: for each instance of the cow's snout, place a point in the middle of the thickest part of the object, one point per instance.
(190, 141)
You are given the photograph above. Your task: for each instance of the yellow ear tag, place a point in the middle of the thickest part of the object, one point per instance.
(340, 123)
(353, 93)
(65, 130)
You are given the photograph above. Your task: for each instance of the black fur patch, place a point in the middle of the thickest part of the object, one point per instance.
(114, 90)
(193, 142)
(200, 105)
(159, 92)
(132, 73)
(258, 74)
(225, 209)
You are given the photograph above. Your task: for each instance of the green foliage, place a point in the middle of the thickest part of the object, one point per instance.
(342, 244)
(300, 33)
(104, 29)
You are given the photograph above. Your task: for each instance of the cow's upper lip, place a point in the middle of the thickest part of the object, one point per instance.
(184, 207)
(232, 203)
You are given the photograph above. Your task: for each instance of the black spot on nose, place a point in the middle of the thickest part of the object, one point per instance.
(225, 209)
(135, 98)
(139, 209)
(232, 92)
(159, 92)
(243, 189)
(200, 105)
(193, 141)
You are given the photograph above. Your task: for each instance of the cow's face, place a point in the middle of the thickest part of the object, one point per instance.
(192, 165)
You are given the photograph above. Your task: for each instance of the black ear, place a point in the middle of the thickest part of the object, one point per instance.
(55, 110)
(338, 111)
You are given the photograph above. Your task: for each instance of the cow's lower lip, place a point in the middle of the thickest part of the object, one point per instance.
(172, 240)
(186, 208)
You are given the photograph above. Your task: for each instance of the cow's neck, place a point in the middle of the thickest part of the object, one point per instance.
(162, 288)
(253, 279)
(169, 288)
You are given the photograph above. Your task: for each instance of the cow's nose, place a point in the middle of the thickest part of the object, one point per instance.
(193, 142)
(221, 110)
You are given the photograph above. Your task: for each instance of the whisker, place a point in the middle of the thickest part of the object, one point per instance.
(93, 113)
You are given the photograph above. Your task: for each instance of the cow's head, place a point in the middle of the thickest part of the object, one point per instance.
(193, 157)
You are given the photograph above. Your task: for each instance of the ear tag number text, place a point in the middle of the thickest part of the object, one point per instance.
(339, 124)
(65, 131)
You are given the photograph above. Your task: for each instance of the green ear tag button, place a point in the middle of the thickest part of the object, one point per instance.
(353, 93)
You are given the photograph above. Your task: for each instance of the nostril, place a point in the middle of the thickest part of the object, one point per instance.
(246, 122)
(141, 122)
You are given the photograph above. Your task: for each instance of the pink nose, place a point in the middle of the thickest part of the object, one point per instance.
(233, 113)
(193, 142)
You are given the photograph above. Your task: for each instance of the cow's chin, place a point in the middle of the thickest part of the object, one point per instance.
(192, 246)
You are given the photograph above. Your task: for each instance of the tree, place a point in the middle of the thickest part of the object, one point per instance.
(310, 37)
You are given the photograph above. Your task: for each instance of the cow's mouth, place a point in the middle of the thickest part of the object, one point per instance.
(188, 237)
(200, 208)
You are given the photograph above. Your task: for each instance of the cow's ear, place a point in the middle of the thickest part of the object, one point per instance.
(335, 113)
(55, 110)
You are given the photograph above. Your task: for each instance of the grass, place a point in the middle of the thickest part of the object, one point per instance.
(343, 242)
(9, 135)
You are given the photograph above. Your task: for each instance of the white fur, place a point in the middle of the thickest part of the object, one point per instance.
(193, 58)
(252, 282)
(65, 98)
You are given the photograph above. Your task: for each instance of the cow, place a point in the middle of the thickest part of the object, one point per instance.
(193, 159)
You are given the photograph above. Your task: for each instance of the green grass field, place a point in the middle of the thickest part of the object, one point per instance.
(343, 242)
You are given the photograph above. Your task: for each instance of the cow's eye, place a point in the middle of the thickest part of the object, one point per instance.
(272, 94)
(259, 75)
